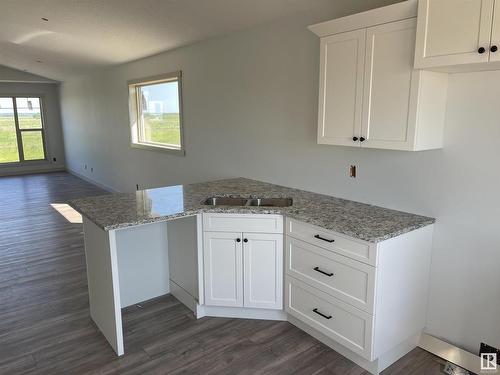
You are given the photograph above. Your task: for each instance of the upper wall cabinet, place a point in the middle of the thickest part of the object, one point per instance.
(370, 94)
(458, 35)
(341, 87)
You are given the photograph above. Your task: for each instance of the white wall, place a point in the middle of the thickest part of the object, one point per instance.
(13, 75)
(53, 128)
(250, 103)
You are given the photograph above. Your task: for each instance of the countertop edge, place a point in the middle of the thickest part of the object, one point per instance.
(275, 211)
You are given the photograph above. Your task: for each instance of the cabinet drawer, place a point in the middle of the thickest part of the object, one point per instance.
(355, 249)
(333, 318)
(248, 223)
(348, 280)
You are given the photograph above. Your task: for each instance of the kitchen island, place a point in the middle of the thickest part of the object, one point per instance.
(366, 265)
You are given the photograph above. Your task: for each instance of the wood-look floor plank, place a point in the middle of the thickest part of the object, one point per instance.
(45, 327)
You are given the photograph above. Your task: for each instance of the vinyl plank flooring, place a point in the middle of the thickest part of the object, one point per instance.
(45, 327)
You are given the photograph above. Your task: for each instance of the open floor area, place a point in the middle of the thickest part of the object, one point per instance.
(45, 327)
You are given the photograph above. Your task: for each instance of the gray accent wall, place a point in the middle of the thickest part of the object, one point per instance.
(250, 109)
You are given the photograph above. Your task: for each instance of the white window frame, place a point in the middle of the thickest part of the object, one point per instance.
(19, 131)
(134, 112)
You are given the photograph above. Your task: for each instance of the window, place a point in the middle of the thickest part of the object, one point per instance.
(156, 113)
(21, 129)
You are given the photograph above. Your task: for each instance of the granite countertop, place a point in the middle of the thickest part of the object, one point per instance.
(358, 220)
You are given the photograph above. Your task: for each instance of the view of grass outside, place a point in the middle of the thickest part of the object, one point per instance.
(28, 118)
(8, 140)
(159, 113)
(162, 128)
(33, 145)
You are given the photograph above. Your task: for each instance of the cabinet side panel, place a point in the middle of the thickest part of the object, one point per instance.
(431, 110)
(142, 262)
(104, 288)
(402, 288)
(183, 254)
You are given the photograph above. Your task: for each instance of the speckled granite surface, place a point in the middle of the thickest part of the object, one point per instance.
(358, 220)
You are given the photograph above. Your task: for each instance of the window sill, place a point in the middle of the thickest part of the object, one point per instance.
(167, 150)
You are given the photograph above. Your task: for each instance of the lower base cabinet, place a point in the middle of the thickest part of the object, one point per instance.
(243, 269)
(223, 266)
(369, 305)
(365, 300)
(336, 319)
(263, 270)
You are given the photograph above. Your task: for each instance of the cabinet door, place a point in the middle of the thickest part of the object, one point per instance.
(263, 270)
(223, 266)
(495, 34)
(450, 32)
(341, 88)
(390, 82)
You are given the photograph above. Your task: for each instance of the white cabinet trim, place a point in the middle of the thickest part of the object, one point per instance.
(235, 264)
(253, 285)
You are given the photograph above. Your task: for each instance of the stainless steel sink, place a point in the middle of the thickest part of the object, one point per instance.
(270, 202)
(225, 201)
(255, 202)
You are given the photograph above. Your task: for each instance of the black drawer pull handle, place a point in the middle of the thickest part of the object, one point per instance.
(323, 315)
(323, 272)
(323, 239)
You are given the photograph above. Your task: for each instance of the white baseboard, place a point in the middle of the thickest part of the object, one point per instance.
(22, 170)
(184, 297)
(242, 313)
(92, 181)
(373, 367)
(451, 353)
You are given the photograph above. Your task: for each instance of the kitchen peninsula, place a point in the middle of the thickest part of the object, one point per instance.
(353, 275)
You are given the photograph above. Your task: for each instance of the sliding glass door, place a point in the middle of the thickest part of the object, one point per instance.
(21, 129)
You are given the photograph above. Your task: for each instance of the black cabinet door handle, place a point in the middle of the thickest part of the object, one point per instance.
(481, 50)
(317, 269)
(323, 239)
(321, 314)
(354, 139)
(238, 240)
(494, 49)
(362, 139)
(245, 240)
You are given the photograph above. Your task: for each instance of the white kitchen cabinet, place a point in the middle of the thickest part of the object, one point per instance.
(243, 269)
(365, 300)
(495, 36)
(263, 270)
(391, 87)
(223, 266)
(370, 94)
(455, 35)
(341, 87)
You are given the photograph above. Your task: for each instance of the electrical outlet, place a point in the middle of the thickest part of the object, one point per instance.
(352, 171)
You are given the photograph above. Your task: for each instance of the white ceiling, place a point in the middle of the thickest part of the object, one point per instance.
(81, 35)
